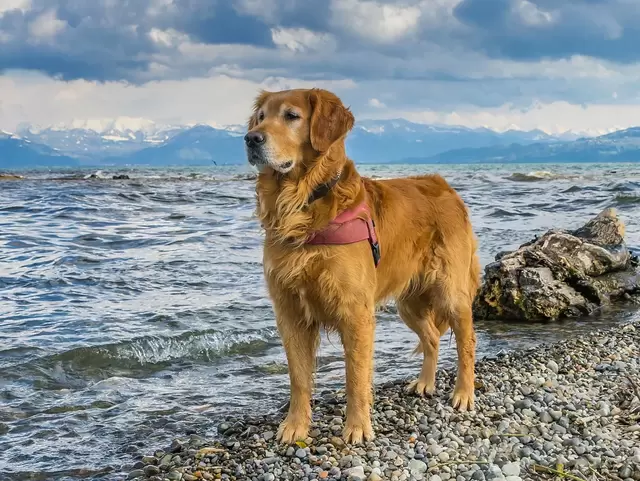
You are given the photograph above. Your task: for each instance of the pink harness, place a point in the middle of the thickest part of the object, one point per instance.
(349, 227)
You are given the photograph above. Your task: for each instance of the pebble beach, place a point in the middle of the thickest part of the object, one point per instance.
(569, 410)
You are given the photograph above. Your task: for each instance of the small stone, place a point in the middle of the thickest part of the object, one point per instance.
(355, 473)
(553, 366)
(151, 470)
(268, 436)
(417, 466)
(174, 476)
(555, 415)
(478, 475)
(545, 417)
(374, 477)
(525, 403)
(625, 472)
(345, 461)
(494, 473)
(435, 477)
(511, 469)
(301, 453)
(137, 473)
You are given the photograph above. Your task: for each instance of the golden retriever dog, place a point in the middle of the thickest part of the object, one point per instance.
(427, 262)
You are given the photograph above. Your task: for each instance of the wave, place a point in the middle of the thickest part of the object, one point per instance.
(626, 199)
(506, 213)
(141, 356)
(137, 177)
(536, 176)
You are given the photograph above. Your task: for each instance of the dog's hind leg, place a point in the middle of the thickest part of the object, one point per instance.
(462, 325)
(417, 313)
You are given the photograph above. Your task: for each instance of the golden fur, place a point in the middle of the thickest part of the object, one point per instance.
(428, 264)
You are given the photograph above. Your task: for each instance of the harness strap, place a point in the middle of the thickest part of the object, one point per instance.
(350, 227)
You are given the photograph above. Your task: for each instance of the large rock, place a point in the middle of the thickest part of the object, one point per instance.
(10, 177)
(561, 274)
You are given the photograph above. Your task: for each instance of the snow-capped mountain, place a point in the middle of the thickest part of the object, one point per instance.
(619, 146)
(198, 145)
(16, 153)
(370, 141)
(91, 145)
(392, 140)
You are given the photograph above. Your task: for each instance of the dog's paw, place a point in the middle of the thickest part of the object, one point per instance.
(462, 399)
(291, 431)
(356, 433)
(420, 388)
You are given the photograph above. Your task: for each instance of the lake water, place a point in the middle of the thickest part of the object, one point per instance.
(134, 311)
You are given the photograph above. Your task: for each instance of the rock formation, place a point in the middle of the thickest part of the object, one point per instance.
(10, 177)
(561, 274)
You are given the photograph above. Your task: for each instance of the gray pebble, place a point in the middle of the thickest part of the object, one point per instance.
(443, 457)
(478, 475)
(417, 466)
(511, 469)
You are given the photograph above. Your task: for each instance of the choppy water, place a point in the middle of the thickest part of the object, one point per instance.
(134, 311)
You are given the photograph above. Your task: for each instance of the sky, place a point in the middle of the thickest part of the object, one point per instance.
(526, 64)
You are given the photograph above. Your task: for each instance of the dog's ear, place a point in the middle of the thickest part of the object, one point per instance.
(257, 103)
(330, 119)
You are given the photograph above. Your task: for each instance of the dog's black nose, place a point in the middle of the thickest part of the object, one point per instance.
(254, 138)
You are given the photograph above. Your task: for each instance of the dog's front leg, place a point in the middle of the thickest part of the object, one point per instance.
(358, 335)
(300, 343)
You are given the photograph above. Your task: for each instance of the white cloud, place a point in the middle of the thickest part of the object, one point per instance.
(302, 40)
(168, 38)
(160, 7)
(223, 100)
(375, 21)
(46, 25)
(8, 5)
(553, 117)
(530, 14)
(216, 100)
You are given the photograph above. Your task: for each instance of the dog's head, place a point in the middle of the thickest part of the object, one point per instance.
(291, 129)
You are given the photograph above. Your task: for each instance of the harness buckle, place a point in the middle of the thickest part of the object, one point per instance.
(375, 249)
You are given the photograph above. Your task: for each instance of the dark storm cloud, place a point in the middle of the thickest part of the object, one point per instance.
(114, 39)
(531, 30)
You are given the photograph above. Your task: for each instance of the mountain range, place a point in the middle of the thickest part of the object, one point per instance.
(371, 141)
(619, 146)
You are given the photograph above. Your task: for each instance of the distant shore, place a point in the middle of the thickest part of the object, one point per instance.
(571, 408)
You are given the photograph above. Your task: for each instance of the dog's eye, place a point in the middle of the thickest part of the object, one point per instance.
(289, 115)
(261, 116)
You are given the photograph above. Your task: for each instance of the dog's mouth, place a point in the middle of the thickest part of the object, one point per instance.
(255, 158)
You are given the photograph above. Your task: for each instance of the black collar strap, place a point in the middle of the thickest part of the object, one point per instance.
(323, 189)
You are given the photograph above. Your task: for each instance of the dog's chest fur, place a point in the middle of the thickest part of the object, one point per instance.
(314, 282)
